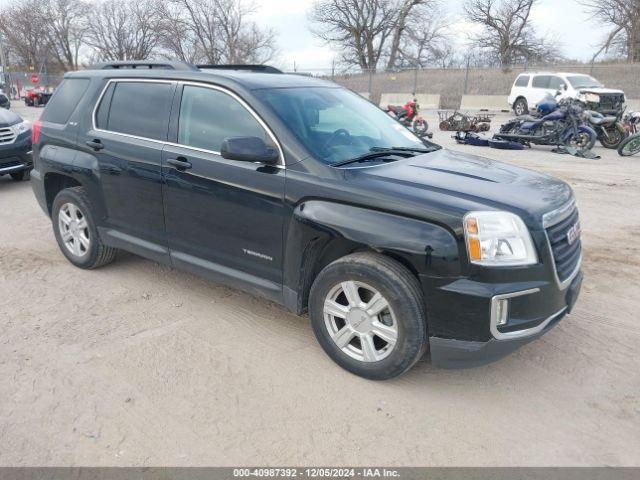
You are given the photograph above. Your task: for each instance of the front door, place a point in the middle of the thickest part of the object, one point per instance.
(224, 218)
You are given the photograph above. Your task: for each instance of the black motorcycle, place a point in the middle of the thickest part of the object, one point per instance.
(609, 129)
(561, 125)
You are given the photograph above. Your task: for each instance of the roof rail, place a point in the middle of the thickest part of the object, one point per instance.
(248, 68)
(143, 65)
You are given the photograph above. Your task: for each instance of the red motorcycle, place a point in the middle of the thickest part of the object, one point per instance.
(409, 116)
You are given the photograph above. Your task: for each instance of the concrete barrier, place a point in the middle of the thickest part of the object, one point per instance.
(424, 100)
(493, 103)
(633, 105)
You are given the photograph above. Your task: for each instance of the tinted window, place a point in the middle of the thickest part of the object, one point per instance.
(522, 81)
(138, 108)
(541, 81)
(555, 82)
(65, 100)
(208, 117)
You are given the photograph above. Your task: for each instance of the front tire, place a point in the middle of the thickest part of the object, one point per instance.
(521, 107)
(630, 146)
(20, 176)
(75, 230)
(367, 312)
(583, 141)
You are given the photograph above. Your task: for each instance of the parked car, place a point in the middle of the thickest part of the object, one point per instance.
(298, 190)
(529, 89)
(15, 146)
(37, 97)
(4, 102)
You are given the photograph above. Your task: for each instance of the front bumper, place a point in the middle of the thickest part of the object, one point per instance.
(16, 156)
(534, 310)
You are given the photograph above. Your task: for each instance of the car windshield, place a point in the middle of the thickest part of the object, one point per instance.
(583, 81)
(336, 125)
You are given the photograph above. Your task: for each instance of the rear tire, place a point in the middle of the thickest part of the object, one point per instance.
(521, 107)
(75, 230)
(367, 312)
(614, 136)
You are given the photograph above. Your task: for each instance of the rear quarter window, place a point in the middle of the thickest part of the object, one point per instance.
(522, 81)
(65, 100)
(136, 108)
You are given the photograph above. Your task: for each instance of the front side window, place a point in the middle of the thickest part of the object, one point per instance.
(555, 83)
(208, 117)
(541, 81)
(334, 124)
(136, 108)
(522, 81)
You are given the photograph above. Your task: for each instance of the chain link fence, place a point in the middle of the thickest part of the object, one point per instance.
(15, 84)
(452, 83)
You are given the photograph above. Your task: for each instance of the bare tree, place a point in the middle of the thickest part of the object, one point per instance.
(124, 30)
(66, 27)
(215, 31)
(623, 17)
(25, 32)
(425, 40)
(360, 29)
(507, 33)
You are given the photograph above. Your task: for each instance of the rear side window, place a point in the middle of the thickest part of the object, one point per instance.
(65, 100)
(208, 117)
(136, 108)
(541, 81)
(522, 81)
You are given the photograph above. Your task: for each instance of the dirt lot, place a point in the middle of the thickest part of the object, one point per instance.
(139, 364)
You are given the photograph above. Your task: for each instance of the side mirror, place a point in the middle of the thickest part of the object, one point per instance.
(248, 149)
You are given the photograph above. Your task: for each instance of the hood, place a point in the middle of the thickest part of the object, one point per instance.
(8, 118)
(452, 184)
(600, 90)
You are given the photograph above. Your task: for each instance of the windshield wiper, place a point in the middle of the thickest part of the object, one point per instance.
(381, 152)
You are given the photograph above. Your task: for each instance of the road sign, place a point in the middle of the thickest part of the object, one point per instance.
(35, 78)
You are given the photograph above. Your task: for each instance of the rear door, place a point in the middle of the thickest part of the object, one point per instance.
(224, 218)
(130, 129)
(540, 89)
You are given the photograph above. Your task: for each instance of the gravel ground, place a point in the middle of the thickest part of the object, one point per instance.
(139, 364)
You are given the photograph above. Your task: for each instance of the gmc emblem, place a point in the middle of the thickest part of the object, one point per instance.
(574, 233)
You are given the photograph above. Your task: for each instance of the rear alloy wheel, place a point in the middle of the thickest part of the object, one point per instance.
(521, 107)
(612, 136)
(76, 232)
(367, 312)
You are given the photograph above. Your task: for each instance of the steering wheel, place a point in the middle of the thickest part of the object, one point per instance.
(341, 132)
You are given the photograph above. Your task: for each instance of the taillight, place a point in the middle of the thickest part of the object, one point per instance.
(35, 133)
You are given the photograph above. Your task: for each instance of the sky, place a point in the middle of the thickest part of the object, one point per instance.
(563, 19)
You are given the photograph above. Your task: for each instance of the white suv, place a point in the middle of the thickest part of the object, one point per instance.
(530, 88)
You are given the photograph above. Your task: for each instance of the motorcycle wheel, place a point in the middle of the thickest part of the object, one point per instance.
(583, 141)
(630, 146)
(614, 134)
(420, 127)
(445, 126)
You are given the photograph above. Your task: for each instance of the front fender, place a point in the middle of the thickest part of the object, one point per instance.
(322, 231)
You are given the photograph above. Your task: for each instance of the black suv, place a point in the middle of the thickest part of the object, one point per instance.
(15, 146)
(301, 191)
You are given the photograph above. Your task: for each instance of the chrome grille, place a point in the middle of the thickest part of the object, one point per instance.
(7, 135)
(566, 255)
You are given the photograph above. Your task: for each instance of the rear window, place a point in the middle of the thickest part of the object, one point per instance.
(522, 81)
(65, 100)
(136, 108)
(541, 81)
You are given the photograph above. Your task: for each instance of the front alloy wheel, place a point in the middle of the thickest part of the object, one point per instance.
(360, 321)
(368, 314)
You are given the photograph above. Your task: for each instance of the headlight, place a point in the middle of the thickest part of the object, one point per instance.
(592, 97)
(498, 239)
(21, 127)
